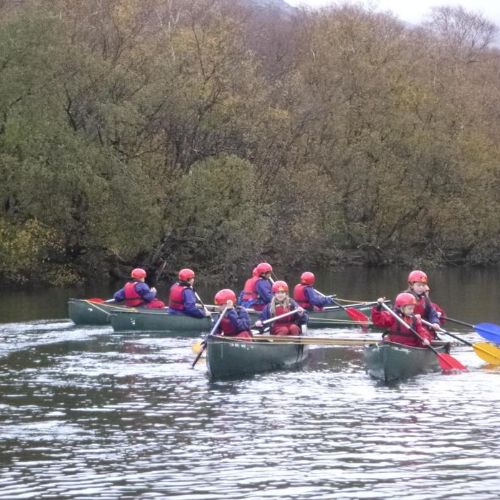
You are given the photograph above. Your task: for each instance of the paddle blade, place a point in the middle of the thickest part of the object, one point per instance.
(489, 331)
(487, 352)
(450, 364)
(358, 316)
(200, 353)
(96, 300)
(197, 346)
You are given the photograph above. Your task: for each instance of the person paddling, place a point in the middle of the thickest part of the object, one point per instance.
(307, 296)
(182, 298)
(280, 304)
(404, 307)
(236, 321)
(136, 293)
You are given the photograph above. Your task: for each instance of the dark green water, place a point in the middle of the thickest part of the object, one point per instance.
(473, 294)
(87, 413)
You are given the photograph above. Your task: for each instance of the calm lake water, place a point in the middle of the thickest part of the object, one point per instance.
(87, 413)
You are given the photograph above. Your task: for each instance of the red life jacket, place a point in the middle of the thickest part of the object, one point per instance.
(422, 302)
(401, 335)
(249, 292)
(282, 310)
(132, 298)
(301, 297)
(420, 306)
(227, 327)
(176, 298)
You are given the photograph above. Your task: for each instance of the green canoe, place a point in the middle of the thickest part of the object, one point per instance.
(388, 361)
(158, 320)
(87, 312)
(231, 358)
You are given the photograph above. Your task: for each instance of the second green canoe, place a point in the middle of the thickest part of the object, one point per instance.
(388, 361)
(158, 320)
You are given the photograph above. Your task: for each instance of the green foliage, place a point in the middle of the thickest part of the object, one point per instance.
(27, 252)
(167, 134)
(219, 217)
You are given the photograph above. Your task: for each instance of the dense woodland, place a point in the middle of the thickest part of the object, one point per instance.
(213, 134)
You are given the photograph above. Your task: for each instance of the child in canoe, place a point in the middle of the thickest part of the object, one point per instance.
(136, 293)
(258, 289)
(404, 307)
(182, 299)
(236, 322)
(307, 296)
(280, 304)
(418, 287)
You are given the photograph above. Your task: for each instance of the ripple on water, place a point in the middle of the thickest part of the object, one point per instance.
(86, 413)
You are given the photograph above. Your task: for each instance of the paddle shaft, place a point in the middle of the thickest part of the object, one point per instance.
(328, 308)
(212, 331)
(448, 333)
(271, 320)
(207, 312)
(351, 311)
(284, 315)
(463, 323)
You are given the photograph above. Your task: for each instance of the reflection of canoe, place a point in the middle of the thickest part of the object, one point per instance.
(87, 312)
(158, 320)
(335, 316)
(388, 361)
(232, 358)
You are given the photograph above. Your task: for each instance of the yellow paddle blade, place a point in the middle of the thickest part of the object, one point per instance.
(196, 346)
(488, 352)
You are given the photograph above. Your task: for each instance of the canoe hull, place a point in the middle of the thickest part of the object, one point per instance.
(86, 312)
(230, 358)
(158, 321)
(390, 362)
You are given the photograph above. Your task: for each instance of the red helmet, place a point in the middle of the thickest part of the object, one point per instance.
(264, 267)
(417, 276)
(255, 272)
(222, 296)
(280, 286)
(138, 273)
(307, 278)
(186, 274)
(405, 299)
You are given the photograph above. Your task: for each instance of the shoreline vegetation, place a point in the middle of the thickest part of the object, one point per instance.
(218, 134)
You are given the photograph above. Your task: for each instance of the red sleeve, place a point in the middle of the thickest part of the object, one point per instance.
(382, 319)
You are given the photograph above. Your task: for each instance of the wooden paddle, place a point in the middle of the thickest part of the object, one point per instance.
(488, 352)
(446, 362)
(98, 300)
(488, 331)
(212, 331)
(207, 312)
